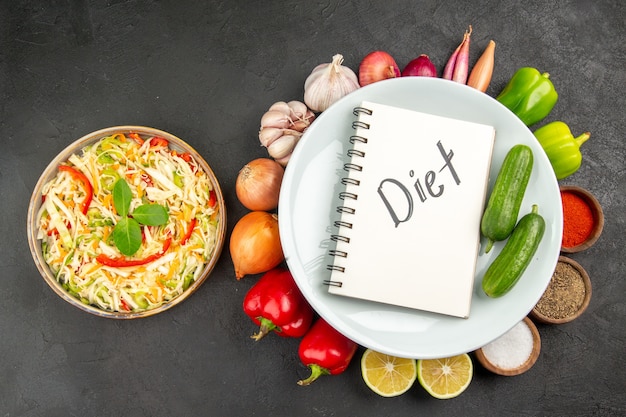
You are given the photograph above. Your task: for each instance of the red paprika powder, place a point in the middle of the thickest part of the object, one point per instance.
(578, 219)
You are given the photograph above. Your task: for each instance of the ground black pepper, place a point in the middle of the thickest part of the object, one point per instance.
(565, 293)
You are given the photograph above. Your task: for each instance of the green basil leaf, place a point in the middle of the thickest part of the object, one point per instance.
(151, 214)
(127, 236)
(121, 197)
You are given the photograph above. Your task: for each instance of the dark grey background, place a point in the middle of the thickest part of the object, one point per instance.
(206, 72)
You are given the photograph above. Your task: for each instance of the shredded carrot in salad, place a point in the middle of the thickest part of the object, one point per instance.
(72, 240)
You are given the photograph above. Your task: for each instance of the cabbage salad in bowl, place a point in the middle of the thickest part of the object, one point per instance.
(128, 223)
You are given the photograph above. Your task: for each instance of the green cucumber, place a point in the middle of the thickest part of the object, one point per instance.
(510, 264)
(505, 200)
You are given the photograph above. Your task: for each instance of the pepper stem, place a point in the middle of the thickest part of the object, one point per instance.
(316, 372)
(582, 138)
(266, 327)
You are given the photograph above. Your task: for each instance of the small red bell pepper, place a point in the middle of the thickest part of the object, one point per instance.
(275, 303)
(87, 187)
(124, 262)
(325, 351)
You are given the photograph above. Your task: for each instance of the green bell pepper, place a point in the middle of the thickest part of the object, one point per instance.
(561, 147)
(529, 94)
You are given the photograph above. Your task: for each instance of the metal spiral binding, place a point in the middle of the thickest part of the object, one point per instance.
(349, 166)
(358, 110)
(344, 209)
(340, 238)
(356, 152)
(352, 181)
(360, 124)
(357, 138)
(344, 195)
(342, 223)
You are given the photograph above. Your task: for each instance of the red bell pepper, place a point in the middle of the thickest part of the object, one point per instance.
(124, 262)
(190, 226)
(212, 198)
(158, 141)
(87, 187)
(136, 138)
(275, 303)
(325, 351)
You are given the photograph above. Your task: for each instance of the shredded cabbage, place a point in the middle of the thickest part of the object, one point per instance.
(71, 240)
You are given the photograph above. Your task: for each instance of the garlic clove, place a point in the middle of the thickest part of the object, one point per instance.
(297, 109)
(284, 161)
(267, 135)
(282, 146)
(300, 125)
(282, 107)
(275, 118)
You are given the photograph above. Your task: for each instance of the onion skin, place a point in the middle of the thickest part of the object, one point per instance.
(480, 77)
(255, 244)
(421, 66)
(377, 66)
(258, 184)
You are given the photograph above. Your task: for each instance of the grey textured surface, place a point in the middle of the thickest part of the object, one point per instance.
(206, 71)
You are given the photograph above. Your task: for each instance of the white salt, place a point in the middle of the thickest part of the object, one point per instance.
(511, 349)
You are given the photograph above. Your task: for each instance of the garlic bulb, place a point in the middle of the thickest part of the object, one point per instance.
(282, 125)
(328, 83)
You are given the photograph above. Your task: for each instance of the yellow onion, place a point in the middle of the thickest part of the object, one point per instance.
(255, 244)
(258, 184)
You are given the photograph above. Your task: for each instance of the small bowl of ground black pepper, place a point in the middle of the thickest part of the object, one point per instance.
(583, 219)
(567, 295)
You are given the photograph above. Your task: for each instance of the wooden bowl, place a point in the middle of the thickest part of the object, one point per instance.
(542, 318)
(35, 243)
(534, 354)
(598, 217)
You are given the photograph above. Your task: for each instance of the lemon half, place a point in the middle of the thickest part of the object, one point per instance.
(386, 375)
(445, 378)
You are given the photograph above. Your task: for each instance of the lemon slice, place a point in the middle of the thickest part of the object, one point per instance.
(445, 378)
(386, 375)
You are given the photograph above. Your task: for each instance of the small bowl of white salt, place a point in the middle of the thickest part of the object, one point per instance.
(513, 353)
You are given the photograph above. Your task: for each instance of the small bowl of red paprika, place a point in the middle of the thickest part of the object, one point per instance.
(583, 219)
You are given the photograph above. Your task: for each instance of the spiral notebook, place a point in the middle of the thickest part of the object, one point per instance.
(408, 230)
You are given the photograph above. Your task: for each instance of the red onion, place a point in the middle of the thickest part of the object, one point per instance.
(377, 66)
(420, 66)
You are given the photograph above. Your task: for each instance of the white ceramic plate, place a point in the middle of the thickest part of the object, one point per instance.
(307, 209)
